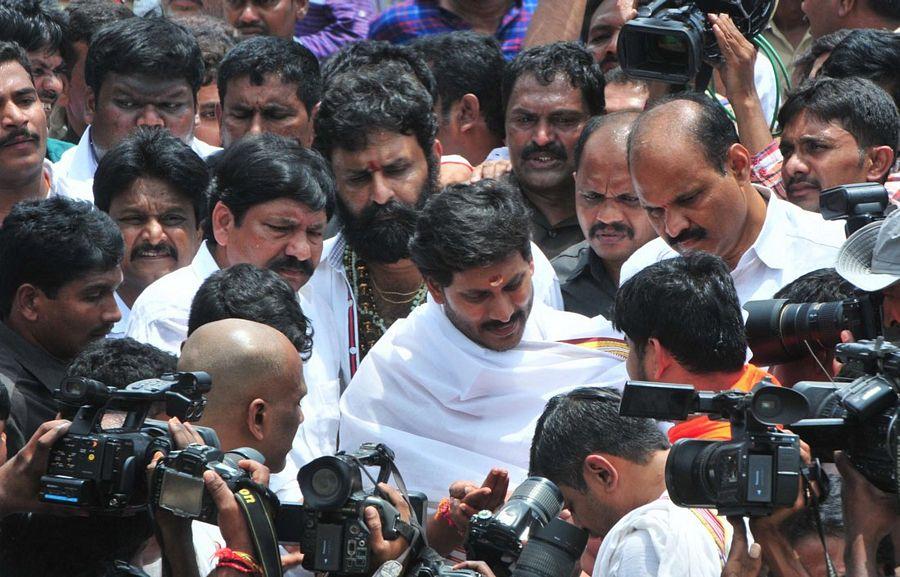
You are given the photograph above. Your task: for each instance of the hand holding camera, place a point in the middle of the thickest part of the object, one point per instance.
(20, 477)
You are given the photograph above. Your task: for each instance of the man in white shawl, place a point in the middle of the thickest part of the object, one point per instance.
(611, 471)
(456, 387)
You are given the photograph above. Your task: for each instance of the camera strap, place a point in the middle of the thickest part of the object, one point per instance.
(815, 473)
(256, 502)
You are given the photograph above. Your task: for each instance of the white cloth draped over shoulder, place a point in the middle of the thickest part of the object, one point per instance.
(451, 409)
(685, 542)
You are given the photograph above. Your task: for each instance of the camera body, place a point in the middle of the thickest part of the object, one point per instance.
(750, 475)
(860, 204)
(670, 40)
(860, 417)
(497, 538)
(178, 479)
(100, 463)
(329, 525)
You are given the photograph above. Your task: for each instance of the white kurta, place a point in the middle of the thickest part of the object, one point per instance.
(451, 409)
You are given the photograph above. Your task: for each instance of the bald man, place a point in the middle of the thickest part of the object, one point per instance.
(609, 215)
(692, 177)
(257, 386)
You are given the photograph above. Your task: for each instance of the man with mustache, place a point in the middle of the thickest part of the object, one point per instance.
(692, 177)
(60, 265)
(265, 17)
(133, 82)
(835, 132)
(609, 214)
(377, 126)
(549, 92)
(152, 186)
(454, 387)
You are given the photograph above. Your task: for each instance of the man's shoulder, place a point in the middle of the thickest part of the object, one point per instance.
(174, 291)
(809, 227)
(399, 18)
(652, 252)
(571, 261)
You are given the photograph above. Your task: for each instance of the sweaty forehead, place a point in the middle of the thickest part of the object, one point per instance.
(806, 124)
(529, 93)
(142, 84)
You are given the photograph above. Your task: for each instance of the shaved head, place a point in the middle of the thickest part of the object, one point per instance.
(257, 385)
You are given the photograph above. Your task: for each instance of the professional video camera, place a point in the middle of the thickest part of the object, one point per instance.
(858, 204)
(497, 538)
(330, 526)
(100, 463)
(778, 332)
(671, 40)
(750, 475)
(178, 479)
(859, 417)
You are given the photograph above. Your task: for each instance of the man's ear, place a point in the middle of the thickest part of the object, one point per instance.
(739, 161)
(436, 291)
(881, 159)
(657, 359)
(222, 223)
(437, 149)
(845, 7)
(27, 300)
(90, 106)
(300, 8)
(600, 472)
(218, 114)
(468, 113)
(257, 415)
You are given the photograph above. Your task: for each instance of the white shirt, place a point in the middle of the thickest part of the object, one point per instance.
(77, 165)
(697, 548)
(118, 330)
(330, 282)
(160, 317)
(791, 243)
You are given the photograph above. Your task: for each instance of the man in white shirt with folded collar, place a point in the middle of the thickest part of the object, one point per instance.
(132, 81)
(269, 206)
(692, 176)
(455, 388)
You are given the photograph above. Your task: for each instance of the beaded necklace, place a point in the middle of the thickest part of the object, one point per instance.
(371, 324)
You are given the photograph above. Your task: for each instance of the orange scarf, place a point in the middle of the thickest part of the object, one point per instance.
(704, 428)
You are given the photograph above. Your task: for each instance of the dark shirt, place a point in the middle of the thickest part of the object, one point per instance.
(30, 374)
(552, 239)
(586, 287)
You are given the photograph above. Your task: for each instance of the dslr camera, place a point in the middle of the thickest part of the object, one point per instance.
(860, 417)
(329, 525)
(755, 472)
(100, 464)
(497, 538)
(671, 40)
(178, 479)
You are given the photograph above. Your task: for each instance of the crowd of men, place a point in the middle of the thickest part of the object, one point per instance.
(454, 227)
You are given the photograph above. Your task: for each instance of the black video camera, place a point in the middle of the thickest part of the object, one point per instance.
(778, 332)
(330, 525)
(858, 417)
(178, 479)
(750, 475)
(860, 204)
(497, 538)
(100, 463)
(670, 40)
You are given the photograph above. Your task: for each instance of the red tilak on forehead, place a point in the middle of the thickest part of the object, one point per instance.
(373, 166)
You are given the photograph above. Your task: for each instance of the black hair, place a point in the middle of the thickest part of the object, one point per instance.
(803, 524)
(858, 105)
(120, 362)
(35, 25)
(215, 38)
(468, 226)
(803, 62)
(86, 17)
(465, 62)
(583, 422)
(690, 306)
(244, 291)
(265, 167)
(872, 54)
(155, 46)
(819, 286)
(49, 243)
(711, 128)
(12, 52)
(369, 55)
(889, 9)
(593, 124)
(359, 104)
(260, 56)
(548, 61)
(151, 153)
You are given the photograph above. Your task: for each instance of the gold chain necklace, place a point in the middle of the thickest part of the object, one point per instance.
(406, 297)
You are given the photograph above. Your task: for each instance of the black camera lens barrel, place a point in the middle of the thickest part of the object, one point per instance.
(545, 497)
(552, 551)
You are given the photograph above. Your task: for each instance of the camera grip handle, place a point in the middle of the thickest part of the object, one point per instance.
(390, 517)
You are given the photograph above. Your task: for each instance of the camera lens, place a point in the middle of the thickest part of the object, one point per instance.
(327, 482)
(541, 495)
(552, 551)
(777, 332)
(686, 473)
